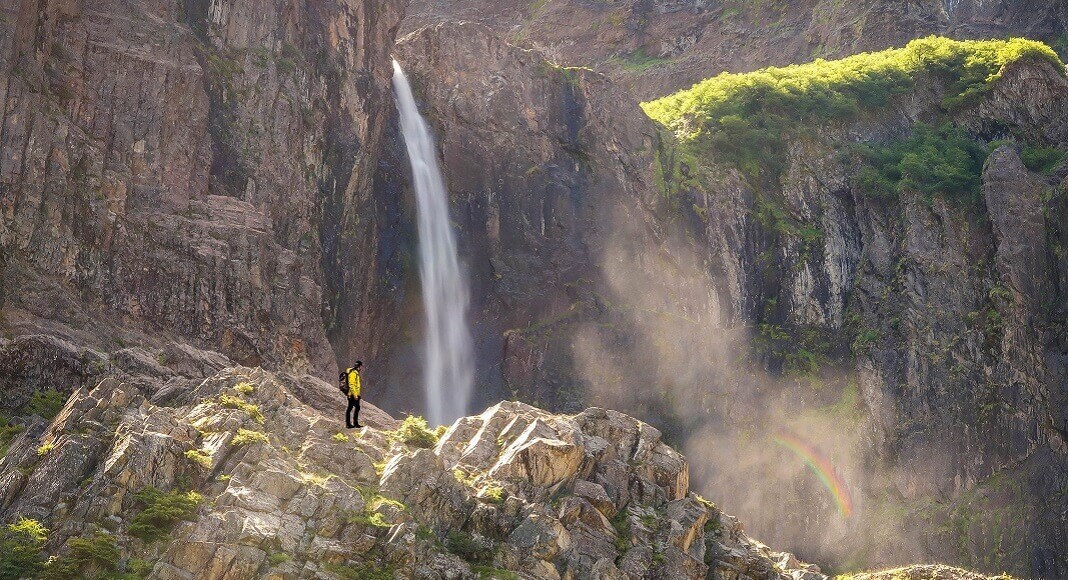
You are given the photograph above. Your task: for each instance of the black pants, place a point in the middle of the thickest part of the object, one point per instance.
(354, 403)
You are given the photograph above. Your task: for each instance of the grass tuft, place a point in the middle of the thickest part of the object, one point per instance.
(415, 432)
(231, 402)
(199, 456)
(246, 437)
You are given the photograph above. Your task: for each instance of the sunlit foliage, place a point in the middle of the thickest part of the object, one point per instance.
(942, 160)
(745, 118)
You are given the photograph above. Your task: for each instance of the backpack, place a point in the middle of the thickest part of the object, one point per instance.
(342, 381)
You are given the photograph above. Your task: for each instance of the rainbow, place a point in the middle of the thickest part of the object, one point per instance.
(822, 467)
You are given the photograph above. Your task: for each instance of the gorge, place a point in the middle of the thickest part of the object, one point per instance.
(850, 260)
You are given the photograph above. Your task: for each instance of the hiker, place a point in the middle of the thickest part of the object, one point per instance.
(349, 384)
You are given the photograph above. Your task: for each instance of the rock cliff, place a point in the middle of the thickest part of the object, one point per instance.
(185, 170)
(189, 187)
(612, 267)
(536, 155)
(657, 46)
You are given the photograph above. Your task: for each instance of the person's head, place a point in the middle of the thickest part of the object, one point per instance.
(358, 364)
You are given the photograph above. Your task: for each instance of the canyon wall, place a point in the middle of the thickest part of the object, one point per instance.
(654, 47)
(917, 341)
(198, 171)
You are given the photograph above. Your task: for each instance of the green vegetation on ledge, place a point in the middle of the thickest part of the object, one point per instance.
(943, 160)
(745, 118)
(161, 512)
(415, 432)
(20, 549)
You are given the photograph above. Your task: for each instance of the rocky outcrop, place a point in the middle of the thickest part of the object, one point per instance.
(185, 171)
(657, 46)
(279, 490)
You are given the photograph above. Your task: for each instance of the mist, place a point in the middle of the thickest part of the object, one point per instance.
(677, 354)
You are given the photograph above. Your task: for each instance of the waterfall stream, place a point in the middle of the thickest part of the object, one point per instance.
(448, 375)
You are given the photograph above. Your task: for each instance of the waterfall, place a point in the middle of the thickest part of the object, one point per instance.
(448, 374)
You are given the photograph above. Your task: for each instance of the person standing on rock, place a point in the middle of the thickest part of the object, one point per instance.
(349, 383)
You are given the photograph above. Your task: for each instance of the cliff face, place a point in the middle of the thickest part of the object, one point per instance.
(656, 46)
(536, 156)
(228, 177)
(186, 170)
(916, 340)
(944, 316)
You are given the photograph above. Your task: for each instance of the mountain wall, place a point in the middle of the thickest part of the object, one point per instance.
(917, 340)
(187, 170)
(535, 155)
(654, 47)
(191, 187)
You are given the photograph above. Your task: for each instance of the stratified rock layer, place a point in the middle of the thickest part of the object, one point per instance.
(192, 171)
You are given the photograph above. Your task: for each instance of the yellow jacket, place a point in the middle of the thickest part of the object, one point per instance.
(354, 382)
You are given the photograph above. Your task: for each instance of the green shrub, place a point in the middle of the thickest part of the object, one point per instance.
(363, 571)
(232, 402)
(746, 118)
(161, 511)
(96, 556)
(200, 457)
(1061, 46)
(414, 431)
(426, 534)
(340, 438)
(621, 523)
(246, 436)
(8, 432)
(245, 388)
(45, 448)
(138, 568)
(369, 519)
(864, 341)
(285, 66)
(798, 350)
(933, 161)
(491, 573)
(639, 61)
(21, 545)
(1042, 159)
(493, 492)
(46, 404)
(468, 548)
(279, 558)
(373, 501)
